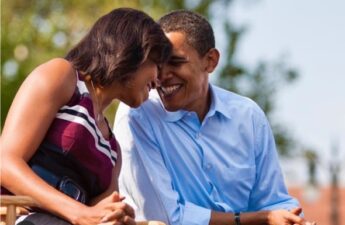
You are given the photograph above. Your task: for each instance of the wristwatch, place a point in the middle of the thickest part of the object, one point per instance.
(237, 218)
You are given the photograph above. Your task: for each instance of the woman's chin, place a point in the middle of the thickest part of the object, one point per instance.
(136, 104)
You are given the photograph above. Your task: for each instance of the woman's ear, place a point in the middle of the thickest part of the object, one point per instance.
(212, 59)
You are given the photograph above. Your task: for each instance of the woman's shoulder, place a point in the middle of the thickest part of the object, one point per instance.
(56, 77)
(59, 61)
(57, 70)
(56, 67)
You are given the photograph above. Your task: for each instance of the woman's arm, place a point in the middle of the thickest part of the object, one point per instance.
(112, 196)
(43, 92)
(113, 187)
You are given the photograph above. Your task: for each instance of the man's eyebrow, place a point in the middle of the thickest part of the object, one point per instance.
(177, 58)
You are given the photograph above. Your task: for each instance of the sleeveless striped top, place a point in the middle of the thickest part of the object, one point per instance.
(75, 132)
(85, 151)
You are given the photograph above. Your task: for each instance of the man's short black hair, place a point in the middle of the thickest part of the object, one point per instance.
(198, 31)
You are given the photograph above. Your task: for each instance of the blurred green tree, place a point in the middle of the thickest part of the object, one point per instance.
(33, 31)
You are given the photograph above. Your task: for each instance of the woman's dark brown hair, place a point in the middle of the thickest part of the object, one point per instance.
(117, 44)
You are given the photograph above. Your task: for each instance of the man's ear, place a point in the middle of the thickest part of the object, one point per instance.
(212, 59)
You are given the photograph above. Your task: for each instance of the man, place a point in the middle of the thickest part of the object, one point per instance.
(195, 153)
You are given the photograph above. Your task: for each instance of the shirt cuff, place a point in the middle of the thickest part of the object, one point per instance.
(287, 205)
(195, 215)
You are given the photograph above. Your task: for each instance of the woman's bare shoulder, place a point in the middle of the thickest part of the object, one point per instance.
(56, 77)
(57, 67)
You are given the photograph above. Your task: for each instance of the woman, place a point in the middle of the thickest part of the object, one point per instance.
(56, 145)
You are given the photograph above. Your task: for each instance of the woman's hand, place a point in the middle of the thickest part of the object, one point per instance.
(113, 197)
(114, 202)
(111, 210)
(117, 217)
(116, 213)
(119, 211)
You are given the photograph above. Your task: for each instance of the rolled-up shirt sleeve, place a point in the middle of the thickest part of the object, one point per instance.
(269, 191)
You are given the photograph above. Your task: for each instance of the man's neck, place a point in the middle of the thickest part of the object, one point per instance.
(204, 108)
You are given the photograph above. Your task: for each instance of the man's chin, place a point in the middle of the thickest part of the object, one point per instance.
(171, 107)
(168, 103)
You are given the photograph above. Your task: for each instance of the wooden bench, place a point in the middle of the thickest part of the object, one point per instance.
(13, 206)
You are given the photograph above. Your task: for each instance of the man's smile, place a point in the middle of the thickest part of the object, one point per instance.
(169, 91)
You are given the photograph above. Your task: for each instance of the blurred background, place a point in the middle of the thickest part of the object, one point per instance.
(288, 56)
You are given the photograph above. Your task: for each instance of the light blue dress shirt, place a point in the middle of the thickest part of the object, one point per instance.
(177, 169)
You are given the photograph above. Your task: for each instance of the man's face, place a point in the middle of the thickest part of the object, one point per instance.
(184, 78)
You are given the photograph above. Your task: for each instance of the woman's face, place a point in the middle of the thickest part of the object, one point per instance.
(136, 90)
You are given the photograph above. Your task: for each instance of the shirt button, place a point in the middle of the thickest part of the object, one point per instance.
(208, 166)
(197, 135)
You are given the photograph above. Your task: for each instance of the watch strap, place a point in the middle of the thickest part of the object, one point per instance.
(237, 218)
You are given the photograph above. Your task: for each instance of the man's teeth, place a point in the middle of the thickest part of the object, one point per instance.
(170, 89)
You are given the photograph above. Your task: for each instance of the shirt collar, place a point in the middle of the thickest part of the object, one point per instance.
(168, 116)
(217, 105)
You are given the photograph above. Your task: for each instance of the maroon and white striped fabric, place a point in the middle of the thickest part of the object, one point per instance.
(75, 133)
(74, 130)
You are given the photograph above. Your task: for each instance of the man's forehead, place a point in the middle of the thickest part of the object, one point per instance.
(176, 38)
(180, 46)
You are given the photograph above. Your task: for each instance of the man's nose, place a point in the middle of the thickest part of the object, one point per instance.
(164, 73)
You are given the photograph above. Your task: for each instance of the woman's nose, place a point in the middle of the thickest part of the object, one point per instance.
(155, 83)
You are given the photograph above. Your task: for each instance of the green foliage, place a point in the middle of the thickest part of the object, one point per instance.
(34, 31)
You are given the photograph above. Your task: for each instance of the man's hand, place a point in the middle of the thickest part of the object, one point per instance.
(298, 211)
(282, 217)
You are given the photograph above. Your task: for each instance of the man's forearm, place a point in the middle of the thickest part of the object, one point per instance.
(274, 217)
(221, 218)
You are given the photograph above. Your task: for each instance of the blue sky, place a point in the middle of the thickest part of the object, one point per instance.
(312, 34)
